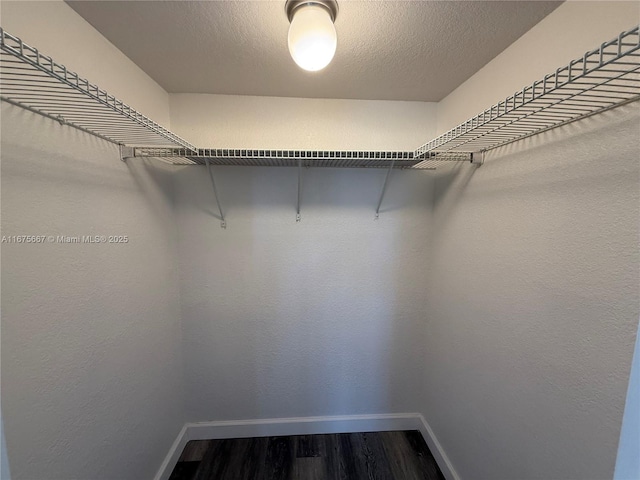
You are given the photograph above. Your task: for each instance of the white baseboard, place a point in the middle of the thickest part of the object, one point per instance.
(305, 426)
(436, 450)
(169, 462)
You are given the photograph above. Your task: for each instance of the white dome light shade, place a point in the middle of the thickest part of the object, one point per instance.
(312, 37)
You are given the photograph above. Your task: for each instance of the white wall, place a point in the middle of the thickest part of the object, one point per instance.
(533, 291)
(317, 318)
(91, 362)
(566, 34)
(533, 303)
(231, 121)
(91, 366)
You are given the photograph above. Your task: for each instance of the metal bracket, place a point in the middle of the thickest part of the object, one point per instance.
(223, 222)
(126, 152)
(384, 188)
(299, 189)
(477, 158)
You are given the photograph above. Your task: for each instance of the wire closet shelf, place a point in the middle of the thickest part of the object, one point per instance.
(36, 82)
(601, 79)
(304, 158)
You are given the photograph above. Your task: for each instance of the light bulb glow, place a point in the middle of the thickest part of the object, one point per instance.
(312, 38)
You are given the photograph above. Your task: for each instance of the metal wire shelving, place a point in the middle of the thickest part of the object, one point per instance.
(603, 78)
(294, 158)
(36, 82)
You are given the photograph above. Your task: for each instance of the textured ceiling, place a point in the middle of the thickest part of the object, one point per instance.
(387, 50)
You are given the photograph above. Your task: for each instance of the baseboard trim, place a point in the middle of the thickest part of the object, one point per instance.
(169, 462)
(436, 449)
(305, 426)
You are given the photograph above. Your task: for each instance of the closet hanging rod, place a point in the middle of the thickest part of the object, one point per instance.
(37, 83)
(603, 78)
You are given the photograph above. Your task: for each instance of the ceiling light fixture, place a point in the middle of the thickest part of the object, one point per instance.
(312, 35)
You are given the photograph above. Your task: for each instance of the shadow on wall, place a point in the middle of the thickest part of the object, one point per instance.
(154, 179)
(513, 172)
(83, 163)
(320, 317)
(449, 185)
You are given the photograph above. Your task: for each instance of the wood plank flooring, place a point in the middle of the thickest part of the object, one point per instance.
(345, 456)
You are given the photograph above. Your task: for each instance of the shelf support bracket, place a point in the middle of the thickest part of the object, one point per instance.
(299, 189)
(477, 158)
(223, 222)
(126, 152)
(384, 187)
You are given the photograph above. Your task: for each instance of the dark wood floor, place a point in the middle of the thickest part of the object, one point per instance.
(352, 456)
